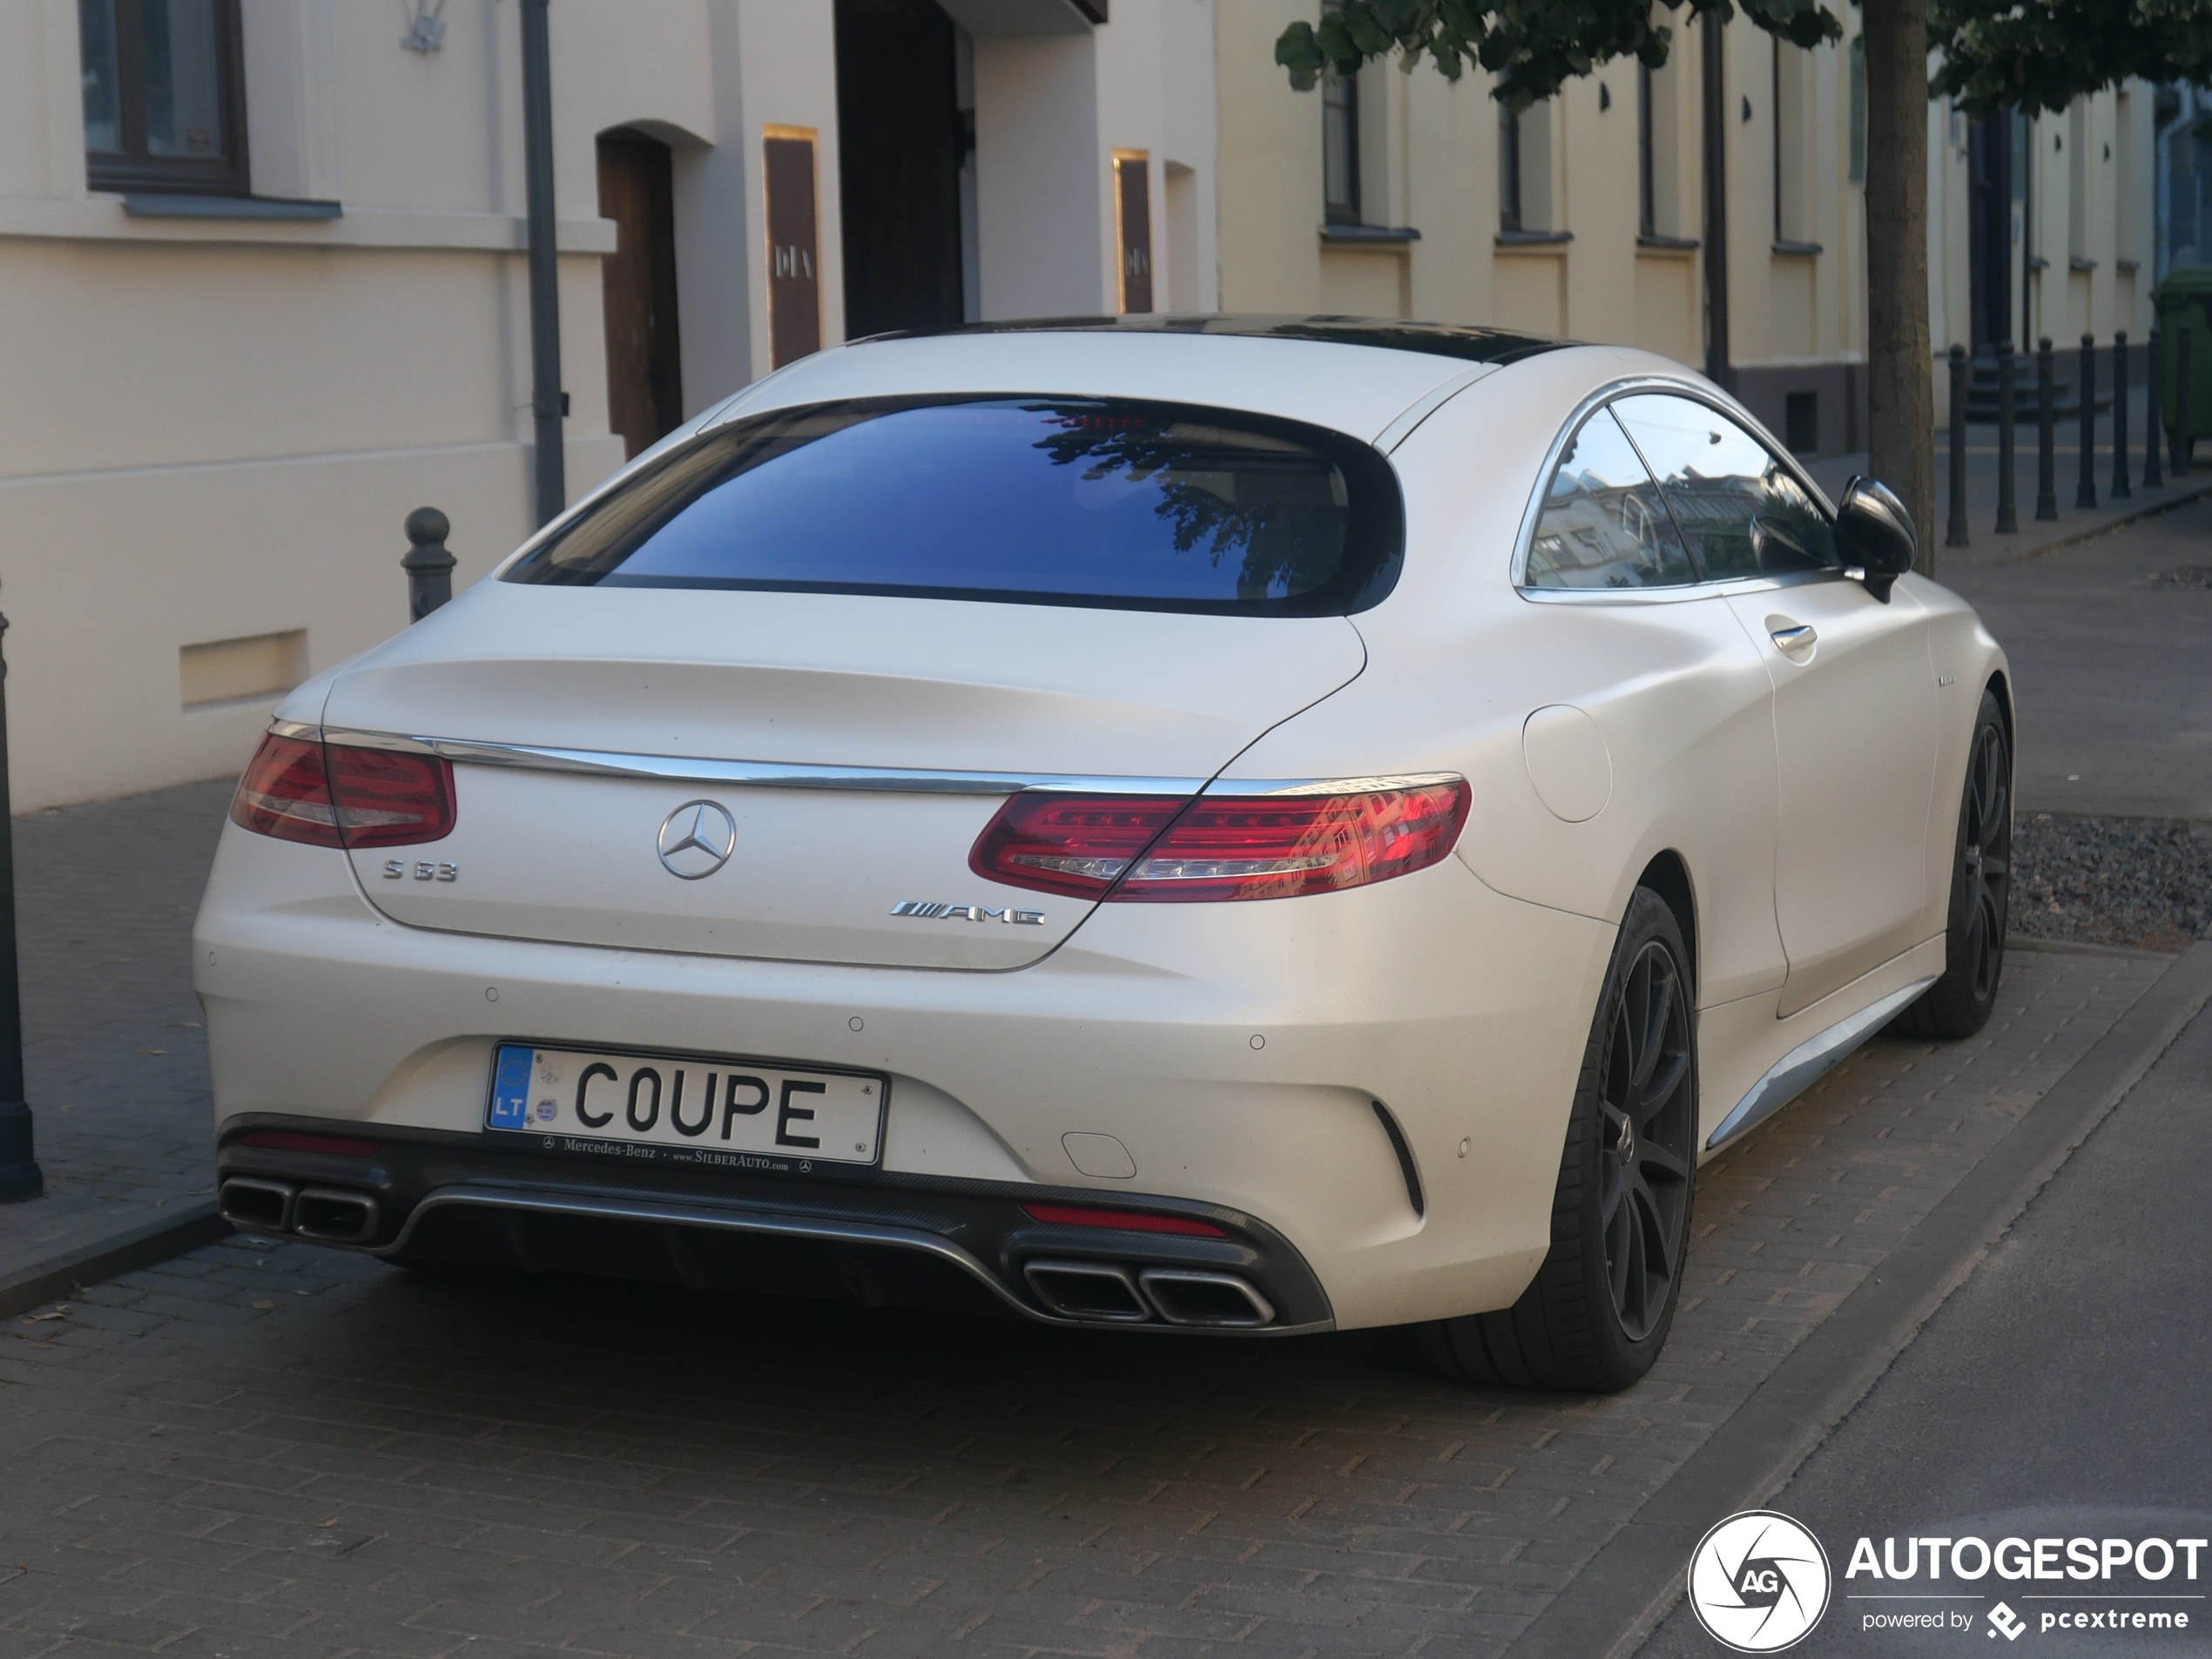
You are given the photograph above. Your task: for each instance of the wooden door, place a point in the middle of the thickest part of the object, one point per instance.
(644, 363)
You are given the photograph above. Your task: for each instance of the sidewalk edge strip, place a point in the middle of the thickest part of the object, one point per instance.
(109, 1255)
(2029, 554)
(1620, 1595)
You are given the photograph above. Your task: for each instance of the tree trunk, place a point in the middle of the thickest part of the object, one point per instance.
(1900, 393)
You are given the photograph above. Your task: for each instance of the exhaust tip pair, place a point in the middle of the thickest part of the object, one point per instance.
(1109, 1293)
(326, 1215)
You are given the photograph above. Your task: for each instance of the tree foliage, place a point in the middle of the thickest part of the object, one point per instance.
(1996, 54)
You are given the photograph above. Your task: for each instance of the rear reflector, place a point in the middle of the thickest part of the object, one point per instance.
(333, 795)
(279, 1140)
(1165, 849)
(1126, 1220)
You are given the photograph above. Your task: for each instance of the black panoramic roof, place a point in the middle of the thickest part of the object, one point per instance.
(1466, 341)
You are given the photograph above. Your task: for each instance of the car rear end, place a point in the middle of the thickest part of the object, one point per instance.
(806, 868)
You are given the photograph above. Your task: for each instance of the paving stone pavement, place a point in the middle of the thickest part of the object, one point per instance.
(115, 1058)
(261, 1449)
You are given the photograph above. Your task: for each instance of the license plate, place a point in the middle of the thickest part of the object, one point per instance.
(752, 1113)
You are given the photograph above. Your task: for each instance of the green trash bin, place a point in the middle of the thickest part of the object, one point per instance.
(2185, 298)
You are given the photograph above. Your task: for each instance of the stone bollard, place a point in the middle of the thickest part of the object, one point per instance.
(1955, 533)
(2120, 490)
(428, 566)
(2008, 517)
(2047, 411)
(2085, 489)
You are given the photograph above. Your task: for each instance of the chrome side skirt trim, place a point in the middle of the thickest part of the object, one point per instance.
(777, 774)
(716, 1217)
(1809, 1061)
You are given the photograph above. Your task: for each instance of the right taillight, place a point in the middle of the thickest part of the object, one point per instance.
(335, 795)
(1166, 850)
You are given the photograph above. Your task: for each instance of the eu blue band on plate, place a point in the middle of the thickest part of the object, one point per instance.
(510, 1088)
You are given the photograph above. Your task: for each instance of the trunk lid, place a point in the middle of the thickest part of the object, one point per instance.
(649, 694)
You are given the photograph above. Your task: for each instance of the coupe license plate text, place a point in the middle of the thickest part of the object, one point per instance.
(742, 1112)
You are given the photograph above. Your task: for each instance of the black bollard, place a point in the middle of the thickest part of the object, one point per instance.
(2179, 444)
(20, 1178)
(2046, 460)
(1955, 535)
(2008, 517)
(2120, 489)
(428, 566)
(2085, 489)
(2153, 411)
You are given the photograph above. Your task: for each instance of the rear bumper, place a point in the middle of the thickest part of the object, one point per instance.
(885, 1240)
(1236, 1052)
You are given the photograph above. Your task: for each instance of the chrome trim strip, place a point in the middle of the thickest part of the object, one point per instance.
(1809, 1061)
(295, 729)
(1626, 387)
(906, 780)
(718, 1219)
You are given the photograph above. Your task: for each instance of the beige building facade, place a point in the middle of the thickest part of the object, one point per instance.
(263, 287)
(1417, 196)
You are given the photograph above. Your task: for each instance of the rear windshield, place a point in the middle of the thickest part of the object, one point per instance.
(1049, 500)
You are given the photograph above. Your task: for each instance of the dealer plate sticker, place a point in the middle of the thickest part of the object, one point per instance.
(751, 1112)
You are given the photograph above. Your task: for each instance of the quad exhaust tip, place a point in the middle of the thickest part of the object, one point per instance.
(1105, 1292)
(326, 1215)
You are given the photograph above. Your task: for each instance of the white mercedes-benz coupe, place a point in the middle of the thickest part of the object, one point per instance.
(1246, 825)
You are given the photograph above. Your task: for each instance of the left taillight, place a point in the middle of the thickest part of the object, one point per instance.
(1171, 850)
(336, 795)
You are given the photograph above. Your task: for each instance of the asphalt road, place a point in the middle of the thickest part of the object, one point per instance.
(2110, 671)
(2063, 1391)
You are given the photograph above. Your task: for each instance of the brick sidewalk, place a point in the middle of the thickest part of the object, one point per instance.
(115, 1058)
(274, 1450)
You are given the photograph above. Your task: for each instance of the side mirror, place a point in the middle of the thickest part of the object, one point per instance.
(1876, 534)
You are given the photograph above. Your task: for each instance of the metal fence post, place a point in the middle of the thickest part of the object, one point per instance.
(2153, 412)
(428, 566)
(2179, 444)
(2008, 517)
(2046, 460)
(20, 1176)
(2085, 489)
(2120, 489)
(1955, 533)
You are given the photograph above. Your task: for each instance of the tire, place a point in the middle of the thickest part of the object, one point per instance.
(1959, 1003)
(1597, 1315)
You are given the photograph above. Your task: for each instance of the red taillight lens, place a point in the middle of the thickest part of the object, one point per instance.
(285, 793)
(331, 795)
(1133, 1221)
(1217, 847)
(1078, 845)
(390, 799)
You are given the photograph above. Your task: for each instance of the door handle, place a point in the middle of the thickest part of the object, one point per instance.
(1793, 639)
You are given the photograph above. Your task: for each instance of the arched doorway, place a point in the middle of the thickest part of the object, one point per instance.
(645, 360)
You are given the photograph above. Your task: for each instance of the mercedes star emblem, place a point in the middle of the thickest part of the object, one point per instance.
(697, 839)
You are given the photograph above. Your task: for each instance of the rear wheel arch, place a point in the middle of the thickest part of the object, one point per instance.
(1668, 875)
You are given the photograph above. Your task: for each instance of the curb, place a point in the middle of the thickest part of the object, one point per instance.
(2029, 554)
(104, 1257)
(1620, 1594)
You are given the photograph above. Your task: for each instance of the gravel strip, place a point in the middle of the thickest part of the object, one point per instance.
(2144, 882)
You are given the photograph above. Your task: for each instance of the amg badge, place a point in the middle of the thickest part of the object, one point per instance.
(924, 910)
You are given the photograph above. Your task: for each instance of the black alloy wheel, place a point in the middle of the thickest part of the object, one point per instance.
(1959, 1003)
(1643, 1167)
(1597, 1313)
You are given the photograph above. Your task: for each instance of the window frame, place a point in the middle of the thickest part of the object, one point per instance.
(1340, 105)
(1510, 192)
(133, 170)
(1704, 587)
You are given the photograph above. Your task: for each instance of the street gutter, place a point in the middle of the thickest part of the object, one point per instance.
(89, 1260)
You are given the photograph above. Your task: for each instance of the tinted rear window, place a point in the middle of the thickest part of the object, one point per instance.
(1038, 500)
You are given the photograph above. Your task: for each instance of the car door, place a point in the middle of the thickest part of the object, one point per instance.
(1854, 694)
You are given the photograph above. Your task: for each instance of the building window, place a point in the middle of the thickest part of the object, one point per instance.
(1647, 195)
(1792, 145)
(1509, 202)
(2077, 179)
(164, 95)
(1858, 163)
(1340, 146)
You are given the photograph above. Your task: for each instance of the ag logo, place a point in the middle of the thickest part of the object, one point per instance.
(1758, 1582)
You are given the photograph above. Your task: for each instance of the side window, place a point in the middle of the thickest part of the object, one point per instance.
(1741, 512)
(164, 95)
(1604, 525)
